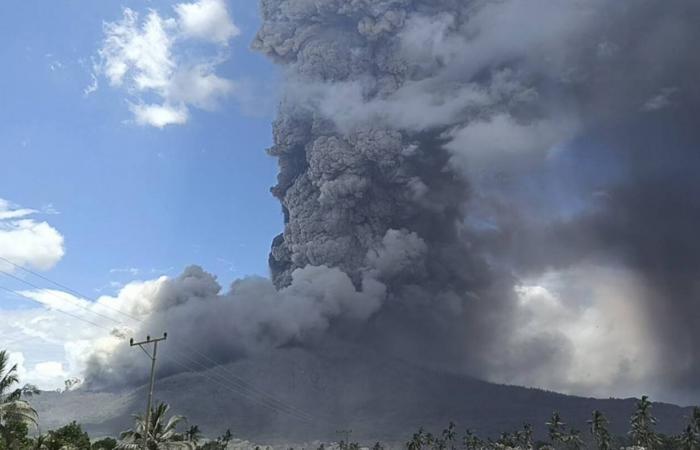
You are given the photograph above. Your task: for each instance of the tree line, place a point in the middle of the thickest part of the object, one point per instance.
(641, 435)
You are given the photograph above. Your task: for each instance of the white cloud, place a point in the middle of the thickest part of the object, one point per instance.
(141, 53)
(48, 373)
(56, 300)
(38, 340)
(92, 87)
(200, 87)
(130, 270)
(7, 211)
(159, 116)
(208, 20)
(49, 209)
(51, 342)
(151, 58)
(26, 241)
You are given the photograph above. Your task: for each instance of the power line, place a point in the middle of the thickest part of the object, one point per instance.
(189, 368)
(53, 294)
(240, 384)
(56, 309)
(243, 393)
(64, 287)
(250, 392)
(20, 339)
(239, 381)
(216, 365)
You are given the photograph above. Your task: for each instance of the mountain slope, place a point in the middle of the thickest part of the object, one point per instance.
(378, 398)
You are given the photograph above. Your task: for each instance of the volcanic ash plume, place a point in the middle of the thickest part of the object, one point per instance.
(253, 316)
(464, 152)
(463, 181)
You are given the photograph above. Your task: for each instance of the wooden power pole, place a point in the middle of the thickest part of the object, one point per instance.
(345, 435)
(152, 355)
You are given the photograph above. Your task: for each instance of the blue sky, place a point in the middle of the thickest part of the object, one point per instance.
(133, 200)
(129, 195)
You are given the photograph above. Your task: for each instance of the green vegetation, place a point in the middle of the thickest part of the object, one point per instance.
(162, 431)
(193, 434)
(642, 432)
(69, 436)
(164, 434)
(220, 443)
(599, 431)
(104, 444)
(14, 435)
(641, 436)
(12, 406)
(16, 415)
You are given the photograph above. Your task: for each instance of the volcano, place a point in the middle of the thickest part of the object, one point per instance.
(296, 395)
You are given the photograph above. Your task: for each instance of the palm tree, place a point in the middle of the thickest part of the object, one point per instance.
(448, 436)
(193, 434)
(506, 440)
(162, 433)
(471, 441)
(688, 440)
(695, 419)
(39, 443)
(524, 437)
(555, 427)
(599, 430)
(642, 422)
(573, 439)
(418, 441)
(12, 407)
(227, 436)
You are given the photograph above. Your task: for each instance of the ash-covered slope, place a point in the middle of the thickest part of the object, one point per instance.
(340, 388)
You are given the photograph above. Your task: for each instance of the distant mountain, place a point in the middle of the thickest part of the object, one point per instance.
(377, 398)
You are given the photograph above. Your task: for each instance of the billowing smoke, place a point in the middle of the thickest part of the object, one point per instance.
(253, 316)
(454, 172)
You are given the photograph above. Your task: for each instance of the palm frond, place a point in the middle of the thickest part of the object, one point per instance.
(161, 432)
(9, 378)
(173, 422)
(18, 410)
(184, 445)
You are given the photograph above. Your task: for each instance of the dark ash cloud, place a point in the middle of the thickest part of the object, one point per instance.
(454, 161)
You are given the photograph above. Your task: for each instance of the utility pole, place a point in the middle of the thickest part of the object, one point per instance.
(346, 434)
(152, 356)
